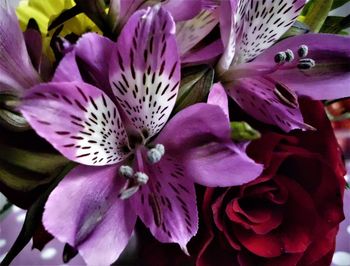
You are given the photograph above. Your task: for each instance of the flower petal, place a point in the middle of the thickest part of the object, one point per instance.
(203, 55)
(261, 23)
(200, 136)
(93, 54)
(167, 204)
(328, 79)
(145, 69)
(84, 211)
(68, 69)
(190, 32)
(16, 70)
(218, 96)
(78, 120)
(183, 9)
(260, 99)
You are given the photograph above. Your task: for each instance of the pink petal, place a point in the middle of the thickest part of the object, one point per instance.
(79, 120)
(84, 211)
(145, 69)
(218, 96)
(68, 70)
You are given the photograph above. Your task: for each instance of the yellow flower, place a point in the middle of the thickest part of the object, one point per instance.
(45, 11)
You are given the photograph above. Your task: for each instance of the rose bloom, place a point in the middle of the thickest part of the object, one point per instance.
(287, 216)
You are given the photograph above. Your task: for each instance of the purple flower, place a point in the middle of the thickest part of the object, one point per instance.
(16, 70)
(134, 163)
(267, 81)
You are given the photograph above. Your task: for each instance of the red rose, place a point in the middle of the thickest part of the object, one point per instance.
(287, 216)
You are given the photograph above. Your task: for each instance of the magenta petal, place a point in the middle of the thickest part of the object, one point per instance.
(145, 69)
(84, 211)
(93, 53)
(203, 55)
(260, 23)
(167, 204)
(16, 70)
(68, 69)
(183, 9)
(258, 98)
(218, 96)
(200, 136)
(330, 77)
(79, 120)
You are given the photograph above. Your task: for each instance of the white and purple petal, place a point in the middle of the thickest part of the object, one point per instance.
(16, 70)
(259, 24)
(145, 69)
(85, 211)
(79, 120)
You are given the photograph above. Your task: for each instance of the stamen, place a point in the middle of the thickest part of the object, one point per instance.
(126, 171)
(141, 178)
(126, 193)
(155, 155)
(280, 57)
(303, 51)
(289, 55)
(306, 63)
(286, 96)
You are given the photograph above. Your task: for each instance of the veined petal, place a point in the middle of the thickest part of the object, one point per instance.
(200, 136)
(79, 120)
(145, 69)
(167, 204)
(16, 70)
(190, 32)
(330, 76)
(85, 211)
(261, 99)
(261, 23)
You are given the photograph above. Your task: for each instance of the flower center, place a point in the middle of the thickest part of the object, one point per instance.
(135, 179)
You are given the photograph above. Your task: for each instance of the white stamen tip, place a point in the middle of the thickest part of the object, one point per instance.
(289, 55)
(160, 148)
(126, 171)
(280, 57)
(303, 51)
(141, 178)
(154, 155)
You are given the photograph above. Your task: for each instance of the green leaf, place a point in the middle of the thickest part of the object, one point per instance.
(316, 12)
(195, 86)
(298, 28)
(242, 131)
(33, 218)
(339, 3)
(335, 25)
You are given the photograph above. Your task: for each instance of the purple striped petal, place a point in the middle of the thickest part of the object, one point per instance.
(260, 98)
(16, 70)
(84, 211)
(167, 205)
(79, 120)
(329, 78)
(261, 23)
(190, 32)
(145, 69)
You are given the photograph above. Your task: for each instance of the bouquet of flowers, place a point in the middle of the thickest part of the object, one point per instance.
(196, 129)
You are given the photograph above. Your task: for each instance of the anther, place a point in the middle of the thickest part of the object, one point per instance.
(141, 178)
(126, 171)
(289, 55)
(303, 51)
(160, 148)
(280, 57)
(128, 192)
(306, 63)
(154, 155)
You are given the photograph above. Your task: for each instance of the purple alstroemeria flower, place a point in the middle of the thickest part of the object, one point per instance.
(267, 81)
(16, 69)
(134, 163)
